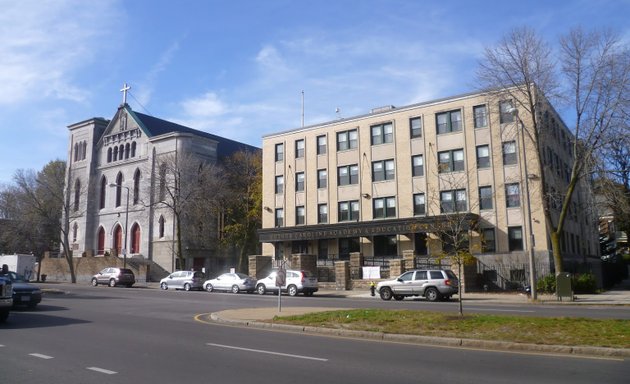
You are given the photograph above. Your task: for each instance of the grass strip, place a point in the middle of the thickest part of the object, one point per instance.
(520, 329)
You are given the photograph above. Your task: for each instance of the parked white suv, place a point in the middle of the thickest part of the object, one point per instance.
(295, 282)
(434, 284)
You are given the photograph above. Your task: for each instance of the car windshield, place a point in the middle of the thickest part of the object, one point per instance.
(198, 275)
(129, 271)
(450, 274)
(15, 277)
(242, 276)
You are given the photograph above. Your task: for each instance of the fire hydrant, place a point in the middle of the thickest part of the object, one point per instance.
(372, 288)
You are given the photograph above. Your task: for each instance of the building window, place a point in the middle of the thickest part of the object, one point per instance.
(512, 195)
(279, 184)
(75, 230)
(109, 155)
(322, 178)
(119, 181)
(299, 215)
(384, 207)
(515, 238)
(299, 182)
(321, 145)
(419, 204)
(133, 149)
(415, 127)
(279, 152)
(162, 188)
(322, 249)
(299, 148)
(417, 165)
(136, 187)
(347, 140)
(347, 246)
(485, 197)
(77, 194)
(382, 133)
(453, 201)
(509, 153)
(322, 213)
(451, 161)
(348, 174)
(279, 217)
(481, 116)
(483, 156)
(505, 110)
(488, 243)
(161, 222)
(103, 193)
(348, 210)
(449, 121)
(383, 170)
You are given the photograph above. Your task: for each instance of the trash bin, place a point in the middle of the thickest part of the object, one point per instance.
(43, 277)
(563, 286)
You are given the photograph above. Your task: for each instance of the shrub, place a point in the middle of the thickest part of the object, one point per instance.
(547, 284)
(584, 283)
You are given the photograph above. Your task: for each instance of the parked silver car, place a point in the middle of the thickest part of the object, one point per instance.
(295, 282)
(434, 284)
(113, 276)
(185, 280)
(234, 282)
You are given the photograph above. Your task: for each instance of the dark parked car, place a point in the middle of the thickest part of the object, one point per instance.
(24, 293)
(6, 301)
(113, 276)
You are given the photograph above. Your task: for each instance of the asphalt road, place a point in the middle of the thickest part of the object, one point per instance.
(117, 335)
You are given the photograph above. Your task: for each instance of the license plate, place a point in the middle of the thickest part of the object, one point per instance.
(25, 298)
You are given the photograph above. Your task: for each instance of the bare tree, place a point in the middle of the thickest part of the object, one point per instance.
(190, 188)
(594, 69)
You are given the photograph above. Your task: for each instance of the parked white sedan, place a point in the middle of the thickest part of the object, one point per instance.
(233, 282)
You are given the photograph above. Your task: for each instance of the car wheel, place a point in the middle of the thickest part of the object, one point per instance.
(432, 294)
(386, 293)
(164, 286)
(292, 290)
(94, 282)
(112, 282)
(209, 287)
(398, 297)
(261, 289)
(235, 289)
(186, 287)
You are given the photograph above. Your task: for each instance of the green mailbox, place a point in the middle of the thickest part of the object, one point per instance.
(563, 286)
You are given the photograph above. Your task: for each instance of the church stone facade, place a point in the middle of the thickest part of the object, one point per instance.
(112, 172)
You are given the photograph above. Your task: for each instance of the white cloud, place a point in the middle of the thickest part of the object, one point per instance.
(208, 106)
(44, 42)
(148, 84)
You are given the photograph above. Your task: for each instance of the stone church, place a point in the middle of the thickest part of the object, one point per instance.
(112, 171)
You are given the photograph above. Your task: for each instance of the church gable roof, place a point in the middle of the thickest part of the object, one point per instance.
(153, 126)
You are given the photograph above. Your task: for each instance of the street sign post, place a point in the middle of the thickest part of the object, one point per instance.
(281, 278)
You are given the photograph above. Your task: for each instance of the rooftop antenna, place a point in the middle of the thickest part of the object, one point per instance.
(338, 112)
(302, 108)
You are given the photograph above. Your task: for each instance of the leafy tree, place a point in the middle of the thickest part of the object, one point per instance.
(243, 204)
(594, 69)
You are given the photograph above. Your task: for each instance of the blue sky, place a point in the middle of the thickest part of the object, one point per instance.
(238, 68)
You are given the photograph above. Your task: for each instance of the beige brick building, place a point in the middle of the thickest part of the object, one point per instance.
(378, 183)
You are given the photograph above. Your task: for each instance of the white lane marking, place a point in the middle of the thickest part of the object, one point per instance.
(101, 370)
(267, 352)
(40, 355)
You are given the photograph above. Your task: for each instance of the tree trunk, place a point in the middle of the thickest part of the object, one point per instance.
(555, 247)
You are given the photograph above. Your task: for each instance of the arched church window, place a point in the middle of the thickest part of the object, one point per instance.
(133, 149)
(119, 181)
(77, 194)
(136, 187)
(103, 193)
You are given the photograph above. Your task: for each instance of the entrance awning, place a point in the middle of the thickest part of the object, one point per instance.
(364, 228)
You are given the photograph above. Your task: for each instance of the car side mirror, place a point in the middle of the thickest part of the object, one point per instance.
(399, 279)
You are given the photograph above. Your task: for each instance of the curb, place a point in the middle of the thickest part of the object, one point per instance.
(433, 340)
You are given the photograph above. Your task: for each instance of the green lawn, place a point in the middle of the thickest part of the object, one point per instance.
(536, 330)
